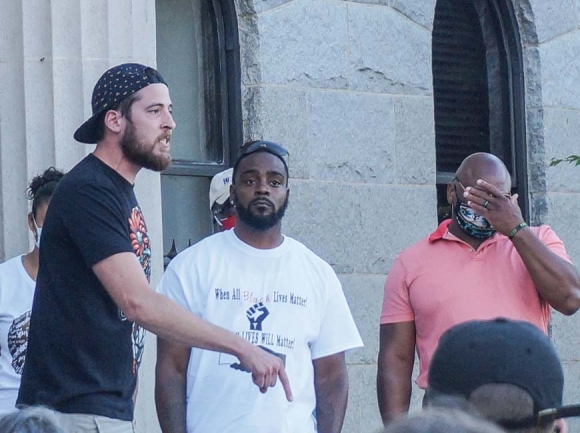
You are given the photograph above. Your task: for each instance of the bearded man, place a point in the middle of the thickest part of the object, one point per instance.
(271, 290)
(485, 262)
(93, 297)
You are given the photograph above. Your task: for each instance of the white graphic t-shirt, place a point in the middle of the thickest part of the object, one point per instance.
(287, 300)
(16, 294)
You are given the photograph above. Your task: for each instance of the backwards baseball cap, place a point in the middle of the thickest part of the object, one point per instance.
(252, 147)
(502, 351)
(114, 86)
(219, 189)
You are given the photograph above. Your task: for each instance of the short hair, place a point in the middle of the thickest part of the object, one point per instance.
(442, 420)
(502, 401)
(32, 419)
(433, 398)
(124, 107)
(495, 402)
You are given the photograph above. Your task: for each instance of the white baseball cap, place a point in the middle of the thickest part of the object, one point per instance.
(219, 189)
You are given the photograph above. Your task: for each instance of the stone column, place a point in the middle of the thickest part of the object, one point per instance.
(51, 55)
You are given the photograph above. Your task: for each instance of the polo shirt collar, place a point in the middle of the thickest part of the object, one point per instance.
(440, 232)
(443, 231)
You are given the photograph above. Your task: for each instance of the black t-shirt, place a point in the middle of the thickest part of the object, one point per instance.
(83, 354)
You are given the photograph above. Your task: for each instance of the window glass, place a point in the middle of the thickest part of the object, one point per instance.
(187, 57)
(186, 51)
(460, 84)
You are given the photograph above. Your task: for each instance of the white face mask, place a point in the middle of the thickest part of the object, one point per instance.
(38, 232)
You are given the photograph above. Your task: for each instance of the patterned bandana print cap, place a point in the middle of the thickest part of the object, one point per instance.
(113, 87)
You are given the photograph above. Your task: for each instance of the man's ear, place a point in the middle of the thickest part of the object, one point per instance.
(31, 222)
(560, 426)
(114, 121)
(232, 190)
(450, 194)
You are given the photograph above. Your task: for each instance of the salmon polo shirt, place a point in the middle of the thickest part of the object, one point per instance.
(442, 281)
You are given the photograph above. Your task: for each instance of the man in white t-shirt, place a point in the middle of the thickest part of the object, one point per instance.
(271, 290)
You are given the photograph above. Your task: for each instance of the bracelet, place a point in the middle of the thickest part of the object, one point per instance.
(516, 229)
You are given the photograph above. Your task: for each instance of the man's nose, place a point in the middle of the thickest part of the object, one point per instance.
(263, 187)
(168, 121)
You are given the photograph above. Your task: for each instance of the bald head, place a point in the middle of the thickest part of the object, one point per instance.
(487, 167)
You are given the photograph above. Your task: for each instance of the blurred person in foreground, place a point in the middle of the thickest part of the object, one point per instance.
(507, 370)
(33, 419)
(442, 420)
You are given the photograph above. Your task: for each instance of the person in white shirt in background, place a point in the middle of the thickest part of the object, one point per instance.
(220, 205)
(17, 282)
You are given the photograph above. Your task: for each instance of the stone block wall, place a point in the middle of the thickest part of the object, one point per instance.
(346, 87)
(554, 104)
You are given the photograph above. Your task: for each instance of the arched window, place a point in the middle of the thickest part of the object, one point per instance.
(198, 55)
(478, 90)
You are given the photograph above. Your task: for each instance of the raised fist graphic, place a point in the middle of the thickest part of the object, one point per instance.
(256, 315)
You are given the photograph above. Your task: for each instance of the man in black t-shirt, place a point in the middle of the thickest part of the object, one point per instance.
(93, 295)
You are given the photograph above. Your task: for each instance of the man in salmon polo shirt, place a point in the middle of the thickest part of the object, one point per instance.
(483, 263)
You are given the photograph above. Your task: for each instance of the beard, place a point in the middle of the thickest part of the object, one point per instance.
(136, 152)
(257, 221)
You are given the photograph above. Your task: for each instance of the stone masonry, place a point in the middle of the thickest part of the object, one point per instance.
(347, 87)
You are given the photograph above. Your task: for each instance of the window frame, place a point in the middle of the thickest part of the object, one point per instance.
(228, 68)
(504, 25)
